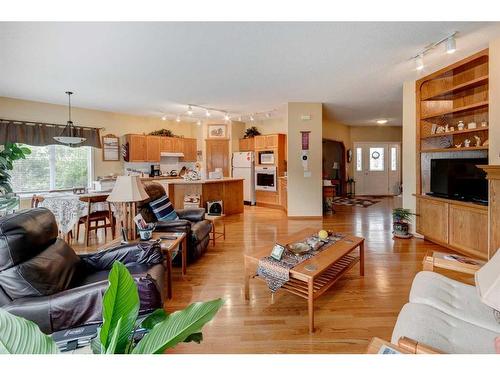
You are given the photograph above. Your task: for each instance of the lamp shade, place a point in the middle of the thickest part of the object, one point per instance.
(488, 282)
(128, 189)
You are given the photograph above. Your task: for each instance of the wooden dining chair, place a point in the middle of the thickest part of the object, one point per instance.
(92, 219)
(35, 200)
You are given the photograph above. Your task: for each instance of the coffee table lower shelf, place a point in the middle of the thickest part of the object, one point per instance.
(323, 282)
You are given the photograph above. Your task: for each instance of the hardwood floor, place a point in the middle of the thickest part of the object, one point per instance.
(347, 316)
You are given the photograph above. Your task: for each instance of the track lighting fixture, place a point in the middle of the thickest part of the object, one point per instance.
(268, 114)
(164, 118)
(226, 117)
(451, 45)
(207, 113)
(252, 118)
(178, 118)
(198, 122)
(190, 110)
(419, 62)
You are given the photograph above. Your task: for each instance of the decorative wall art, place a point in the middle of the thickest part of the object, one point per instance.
(217, 131)
(110, 148)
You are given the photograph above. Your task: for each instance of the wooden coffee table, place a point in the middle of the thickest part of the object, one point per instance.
(170, 248)
(311, 278)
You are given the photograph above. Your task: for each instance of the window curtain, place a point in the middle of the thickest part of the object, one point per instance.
(42, 134)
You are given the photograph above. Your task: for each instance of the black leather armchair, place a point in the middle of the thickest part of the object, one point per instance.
(191, 221)
(42, 279)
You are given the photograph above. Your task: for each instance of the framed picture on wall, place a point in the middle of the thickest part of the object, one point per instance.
(110, 148)
(217, 131)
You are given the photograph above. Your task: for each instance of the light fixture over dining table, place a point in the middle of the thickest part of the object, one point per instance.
(68, 135)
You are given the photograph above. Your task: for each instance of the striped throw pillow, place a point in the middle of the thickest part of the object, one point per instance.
(163, 209)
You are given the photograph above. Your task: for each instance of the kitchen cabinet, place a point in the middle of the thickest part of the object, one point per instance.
(189, 149)
(266, 142)
(247, 144)
(217, 154)
(166, 144)
(137, 148)
(177, 144)
(260, 142)
(153, 148)
(283, 193)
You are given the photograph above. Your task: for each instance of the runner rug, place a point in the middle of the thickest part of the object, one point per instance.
(276, 273)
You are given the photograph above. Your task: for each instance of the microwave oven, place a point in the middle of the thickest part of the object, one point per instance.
(266, 157)
(265, 178)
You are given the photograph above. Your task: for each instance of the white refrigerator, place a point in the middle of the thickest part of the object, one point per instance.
(244, 167)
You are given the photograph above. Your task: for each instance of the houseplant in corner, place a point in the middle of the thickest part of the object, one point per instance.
(401, 218)
(9, 153)
(116, 335)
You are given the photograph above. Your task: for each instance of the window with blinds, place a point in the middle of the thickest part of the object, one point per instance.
(52, 167)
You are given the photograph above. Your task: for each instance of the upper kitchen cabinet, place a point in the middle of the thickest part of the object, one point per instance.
(189, 149)
(153, 148)
(266, 142)
(166, 144)
(247, 144)
(137, 147)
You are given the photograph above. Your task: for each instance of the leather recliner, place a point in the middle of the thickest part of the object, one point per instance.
(191, 221)
(43, 280)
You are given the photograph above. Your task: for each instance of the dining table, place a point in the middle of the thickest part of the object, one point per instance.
(68, 207)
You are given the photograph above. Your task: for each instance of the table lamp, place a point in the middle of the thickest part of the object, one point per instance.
(128, 190)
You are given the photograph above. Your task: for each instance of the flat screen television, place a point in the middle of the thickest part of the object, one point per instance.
(459, 179)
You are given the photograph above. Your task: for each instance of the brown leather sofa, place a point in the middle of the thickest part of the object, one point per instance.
(42, 278)
(191, 221)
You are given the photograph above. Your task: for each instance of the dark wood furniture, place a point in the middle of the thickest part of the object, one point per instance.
(313, 277)
(92, 219)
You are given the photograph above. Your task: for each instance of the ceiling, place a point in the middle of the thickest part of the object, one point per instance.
(356, 68)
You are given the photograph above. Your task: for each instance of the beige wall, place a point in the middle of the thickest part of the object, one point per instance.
(114, 123)
(378, 133)
(274, 125)
(494, 98)
(409, 168)
(305, 193)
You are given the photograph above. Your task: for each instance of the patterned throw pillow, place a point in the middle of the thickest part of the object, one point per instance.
(163, 209)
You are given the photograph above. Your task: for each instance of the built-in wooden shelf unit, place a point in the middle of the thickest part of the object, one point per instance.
(456, 93)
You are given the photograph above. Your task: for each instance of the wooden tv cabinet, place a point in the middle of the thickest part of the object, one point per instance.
(460, 226)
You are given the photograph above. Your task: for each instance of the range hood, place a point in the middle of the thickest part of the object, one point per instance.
(172, 154)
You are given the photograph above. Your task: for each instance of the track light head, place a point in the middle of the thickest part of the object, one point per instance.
(178, 118)
(207, 113)
(419, 62)
(164, 118)
(451, 45)
(226, 117)
(190, 110)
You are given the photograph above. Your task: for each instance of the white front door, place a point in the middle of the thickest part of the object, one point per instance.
(377, 168)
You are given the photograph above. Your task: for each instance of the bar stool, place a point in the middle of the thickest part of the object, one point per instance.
(214, 219)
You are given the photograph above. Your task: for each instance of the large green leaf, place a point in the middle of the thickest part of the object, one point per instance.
(111, 349)
(178, 327)
(121, 300)
(157, 316)
(20, 336)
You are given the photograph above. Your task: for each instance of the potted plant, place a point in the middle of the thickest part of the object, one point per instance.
(400, 222)
(251, 132)
(120, 308)
(9, 153)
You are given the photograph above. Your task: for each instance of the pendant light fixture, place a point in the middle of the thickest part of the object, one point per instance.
(68, 136)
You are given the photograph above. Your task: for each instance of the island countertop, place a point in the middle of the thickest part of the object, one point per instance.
(205, 181)
(228, 190)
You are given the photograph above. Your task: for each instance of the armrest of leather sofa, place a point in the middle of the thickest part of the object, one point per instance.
(180, 225)
(192, 214)
(148, 253)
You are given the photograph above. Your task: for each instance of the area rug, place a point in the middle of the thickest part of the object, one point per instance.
(357, 202)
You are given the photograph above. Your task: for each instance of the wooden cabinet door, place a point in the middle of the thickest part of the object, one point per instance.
(137, 147)
(217, 155)
(272, 141)
(469, 230)
(283, 193)
(177, 144)
(260, 142)
(153, 148)
(166, 144)
(247, 144)
(432, 219)
(189, 149)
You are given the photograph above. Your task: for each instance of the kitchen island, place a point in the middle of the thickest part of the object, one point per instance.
(229, 190)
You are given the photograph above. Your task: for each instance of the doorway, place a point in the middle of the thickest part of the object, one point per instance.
(334, 168)
(377, 168)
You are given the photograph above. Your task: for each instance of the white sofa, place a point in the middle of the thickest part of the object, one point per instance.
(451, 316)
